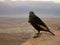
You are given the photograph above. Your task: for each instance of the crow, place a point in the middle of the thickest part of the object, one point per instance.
(38, 24)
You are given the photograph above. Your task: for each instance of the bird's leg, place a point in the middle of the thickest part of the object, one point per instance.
(37, 35)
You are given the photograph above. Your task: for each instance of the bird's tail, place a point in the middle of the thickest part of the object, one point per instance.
(46, 29)
(51, 33)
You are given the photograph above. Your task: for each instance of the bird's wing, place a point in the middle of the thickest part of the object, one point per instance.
(40, 22)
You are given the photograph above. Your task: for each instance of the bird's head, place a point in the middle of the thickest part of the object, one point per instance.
(31, 14)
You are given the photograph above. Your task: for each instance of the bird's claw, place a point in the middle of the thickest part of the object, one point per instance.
(36, 36)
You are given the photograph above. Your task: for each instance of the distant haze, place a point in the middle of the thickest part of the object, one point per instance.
(21, 9)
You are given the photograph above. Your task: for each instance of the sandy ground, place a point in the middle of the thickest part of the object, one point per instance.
(45, 40)
(13, 31)
(19, 31)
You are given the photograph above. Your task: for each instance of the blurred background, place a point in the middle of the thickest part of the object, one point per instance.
(14, 26)
(21, 8)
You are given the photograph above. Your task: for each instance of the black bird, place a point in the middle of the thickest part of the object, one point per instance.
(37, 23)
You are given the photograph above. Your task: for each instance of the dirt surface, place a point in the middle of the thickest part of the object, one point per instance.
(20, 32)
(46, 38)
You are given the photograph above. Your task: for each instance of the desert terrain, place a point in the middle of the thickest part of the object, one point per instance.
(17, 31)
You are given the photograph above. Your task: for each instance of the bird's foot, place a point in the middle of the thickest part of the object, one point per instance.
(37, 35)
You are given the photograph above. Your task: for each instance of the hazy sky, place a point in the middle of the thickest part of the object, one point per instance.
(21, 8)
(56, 1)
